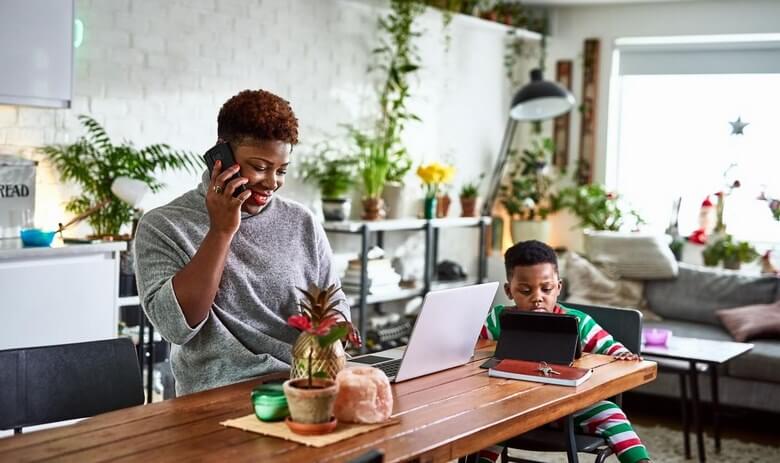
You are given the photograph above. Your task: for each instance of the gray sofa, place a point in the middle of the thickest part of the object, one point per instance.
(687, 305)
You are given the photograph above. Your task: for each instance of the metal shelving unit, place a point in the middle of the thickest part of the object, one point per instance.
(375, 232)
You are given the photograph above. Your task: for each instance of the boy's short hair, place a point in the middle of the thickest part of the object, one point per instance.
(528, 253)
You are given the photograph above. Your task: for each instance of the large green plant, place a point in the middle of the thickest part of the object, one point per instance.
(596, 208)
(374, 161)
(333, 171)
(731, 252)
(397, 60)
(94, 162)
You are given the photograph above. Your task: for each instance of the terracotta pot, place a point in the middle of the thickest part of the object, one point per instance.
(443, 206)
(311, 405)
(311, 429)
(329, 360)
(373, 209)
(468, 207)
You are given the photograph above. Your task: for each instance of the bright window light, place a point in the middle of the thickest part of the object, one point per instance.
(674, 140)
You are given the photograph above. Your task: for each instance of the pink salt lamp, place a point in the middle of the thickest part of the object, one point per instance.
(656, 336)
(364, 396)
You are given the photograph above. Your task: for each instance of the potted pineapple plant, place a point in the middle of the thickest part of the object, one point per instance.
(317, 356)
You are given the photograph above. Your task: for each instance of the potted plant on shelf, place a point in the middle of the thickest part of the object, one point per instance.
(528, 195)
(317, 357)
(373, 163)
(595, 207)
(94, 162)
(334, 173)
(468, 198)
(433, 175)
(731, 253)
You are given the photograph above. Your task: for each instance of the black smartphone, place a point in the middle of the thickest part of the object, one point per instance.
(222, 152)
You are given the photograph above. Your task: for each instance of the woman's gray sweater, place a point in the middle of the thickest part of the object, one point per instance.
(245, 334)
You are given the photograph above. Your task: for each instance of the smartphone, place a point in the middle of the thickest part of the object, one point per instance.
(222, 152)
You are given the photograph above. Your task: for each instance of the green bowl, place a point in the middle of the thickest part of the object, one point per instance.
(269, 402)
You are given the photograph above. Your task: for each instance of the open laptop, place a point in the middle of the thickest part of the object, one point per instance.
(443, 337)
(536, 336)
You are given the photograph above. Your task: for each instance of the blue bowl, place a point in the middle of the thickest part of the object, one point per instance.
(36, 237)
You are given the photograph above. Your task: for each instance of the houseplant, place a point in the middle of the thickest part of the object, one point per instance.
(94, 162)
(317, 357)
(433, 175)
(595, 207)
(731, 253)
(334, 173)
(373, 164)
(528, 195)
(468, 198)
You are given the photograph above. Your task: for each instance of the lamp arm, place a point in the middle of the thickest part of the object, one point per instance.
(498, 170)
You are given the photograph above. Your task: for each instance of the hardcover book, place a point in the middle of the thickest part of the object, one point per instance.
(524, 370)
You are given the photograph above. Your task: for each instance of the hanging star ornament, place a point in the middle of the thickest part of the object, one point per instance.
(737, 126)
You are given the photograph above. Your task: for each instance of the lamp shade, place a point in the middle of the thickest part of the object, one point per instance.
(540, 100)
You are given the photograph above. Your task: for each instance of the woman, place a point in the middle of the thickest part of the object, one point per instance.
(217, 274)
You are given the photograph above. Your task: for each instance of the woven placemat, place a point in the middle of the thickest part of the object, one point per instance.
(279, 429)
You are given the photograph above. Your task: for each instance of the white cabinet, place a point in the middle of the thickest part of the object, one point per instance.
(58, 295)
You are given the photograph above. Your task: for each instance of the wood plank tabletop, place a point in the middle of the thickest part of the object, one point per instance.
(441, 417)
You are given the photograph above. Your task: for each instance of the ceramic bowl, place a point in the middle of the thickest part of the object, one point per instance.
(269, 402)
(36, 237)
(656, 336)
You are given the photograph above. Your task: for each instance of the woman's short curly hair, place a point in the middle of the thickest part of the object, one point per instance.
(259, 115)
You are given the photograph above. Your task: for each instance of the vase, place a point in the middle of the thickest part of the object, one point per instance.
(468, 207)
(442, 206)
(392, 194)
(328, 360)
(524, 230)
(429, 207)
(373, 209)
(310, 405)
(732, 264)
(337, 209)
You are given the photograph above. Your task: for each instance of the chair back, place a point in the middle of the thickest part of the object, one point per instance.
(55, 383)
(625, 325)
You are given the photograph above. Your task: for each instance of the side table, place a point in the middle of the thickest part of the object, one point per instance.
(689, 357)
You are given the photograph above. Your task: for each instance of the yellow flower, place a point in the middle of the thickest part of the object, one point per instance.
(435, 174)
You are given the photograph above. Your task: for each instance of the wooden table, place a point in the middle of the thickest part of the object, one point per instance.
(692, 352)
(442, 416)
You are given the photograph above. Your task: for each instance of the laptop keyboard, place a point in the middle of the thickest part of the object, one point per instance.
(390, 368)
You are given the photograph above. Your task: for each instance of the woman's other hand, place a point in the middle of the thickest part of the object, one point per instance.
(224, 209)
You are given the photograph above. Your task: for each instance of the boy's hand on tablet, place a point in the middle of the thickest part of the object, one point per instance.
(627, 356)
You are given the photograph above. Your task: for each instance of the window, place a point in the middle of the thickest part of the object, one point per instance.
(673, 138)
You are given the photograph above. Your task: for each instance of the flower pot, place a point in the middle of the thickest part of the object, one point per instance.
(468, 207)
(311, 405)
(524, 230)
(443, 206)
(732, 264)
(373, 209)
(392, 194)
(329, 360)
(311, 429)
(429, 207)
(336, 209)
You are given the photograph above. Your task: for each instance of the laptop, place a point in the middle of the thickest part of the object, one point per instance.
(443, 337)
(537, 337)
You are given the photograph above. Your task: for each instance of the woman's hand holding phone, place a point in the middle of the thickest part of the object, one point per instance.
(224, 209)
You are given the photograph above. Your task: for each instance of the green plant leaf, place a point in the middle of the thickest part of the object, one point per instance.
(336, 333)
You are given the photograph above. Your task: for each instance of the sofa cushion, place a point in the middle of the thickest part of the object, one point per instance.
(640, 256)
(761, 363)
(698, 292)
(752, 321)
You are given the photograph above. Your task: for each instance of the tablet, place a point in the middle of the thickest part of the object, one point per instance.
(538, 336)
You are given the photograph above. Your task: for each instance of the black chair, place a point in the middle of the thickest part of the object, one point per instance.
(64, 382)
(625, 325)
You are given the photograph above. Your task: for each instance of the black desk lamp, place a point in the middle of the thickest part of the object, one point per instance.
(538, 100)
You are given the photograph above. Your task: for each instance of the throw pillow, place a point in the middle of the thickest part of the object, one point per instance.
(634, 255)
(587, 284)
(752, 321)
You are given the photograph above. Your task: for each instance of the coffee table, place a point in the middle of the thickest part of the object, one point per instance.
(701, 355)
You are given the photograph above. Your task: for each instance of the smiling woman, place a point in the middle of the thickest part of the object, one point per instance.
(217, 271)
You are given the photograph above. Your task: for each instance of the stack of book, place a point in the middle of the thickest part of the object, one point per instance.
(382, 278)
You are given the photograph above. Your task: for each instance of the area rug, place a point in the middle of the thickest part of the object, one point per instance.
(666, 446)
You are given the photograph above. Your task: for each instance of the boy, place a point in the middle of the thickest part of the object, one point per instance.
(533, 284)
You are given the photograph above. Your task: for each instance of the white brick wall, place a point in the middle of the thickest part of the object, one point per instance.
(157, 71)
